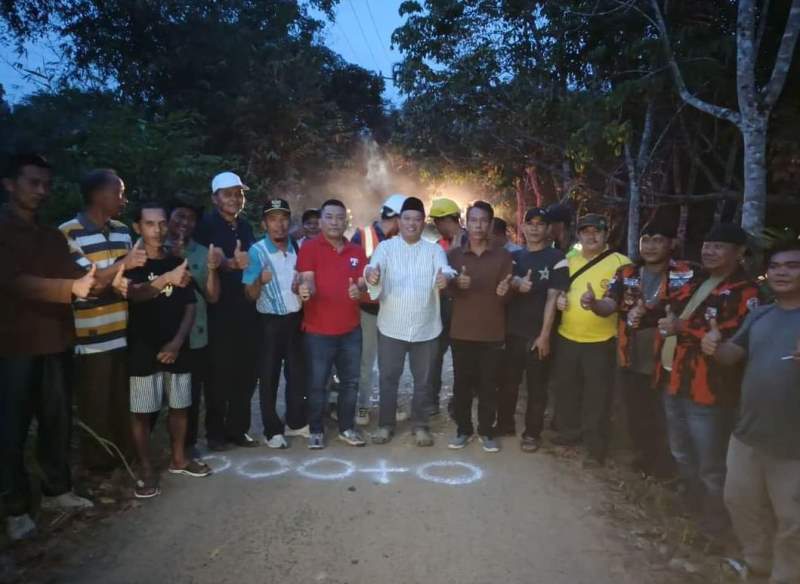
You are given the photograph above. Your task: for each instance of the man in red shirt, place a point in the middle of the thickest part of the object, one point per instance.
(330, 269)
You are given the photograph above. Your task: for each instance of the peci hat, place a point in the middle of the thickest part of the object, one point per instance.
(273, 205)
(539, 212)
(593, 220)
(559, 213)
(727, 233)
(225, 180)
(444, 208)
(413, 204)
(661, 227)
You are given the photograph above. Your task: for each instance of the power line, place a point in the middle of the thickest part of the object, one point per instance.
(363, 35)
(377, 34)
(347, 40)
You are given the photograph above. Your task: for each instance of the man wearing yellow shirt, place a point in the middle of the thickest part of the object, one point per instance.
(585, 347)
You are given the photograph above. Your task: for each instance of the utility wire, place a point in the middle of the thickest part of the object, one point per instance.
(363, 35)
(377, 34)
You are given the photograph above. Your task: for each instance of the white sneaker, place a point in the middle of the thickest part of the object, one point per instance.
(68, 500)
(20, 526)
(277, 441)
(304, 432)
(401, 415)
(362, 417)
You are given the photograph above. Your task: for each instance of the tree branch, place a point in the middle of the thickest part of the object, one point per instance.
(746, 58)
(783, 61)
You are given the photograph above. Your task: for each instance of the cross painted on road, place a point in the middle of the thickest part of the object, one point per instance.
(383, 471)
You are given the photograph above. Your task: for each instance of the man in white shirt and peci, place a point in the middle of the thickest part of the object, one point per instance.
(406, 274)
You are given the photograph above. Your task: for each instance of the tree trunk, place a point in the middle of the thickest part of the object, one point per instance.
(755, 176)
(634, 199)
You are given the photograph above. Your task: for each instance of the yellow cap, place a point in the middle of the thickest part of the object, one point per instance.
(443, 208)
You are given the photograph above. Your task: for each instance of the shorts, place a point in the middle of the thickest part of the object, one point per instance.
(147, 393)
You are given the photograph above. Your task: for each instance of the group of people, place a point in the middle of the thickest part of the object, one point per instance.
(199, 309)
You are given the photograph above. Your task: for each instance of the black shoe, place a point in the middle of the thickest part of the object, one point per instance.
(503, 430)
(530, 444)
(244, 441)
(217, 446)
(562, 440)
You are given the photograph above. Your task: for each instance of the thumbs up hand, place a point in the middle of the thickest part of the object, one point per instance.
(120, 283)
(525, 284)
(241, 259)
(441, 280)
(373, 275)
(712, 339)
(668, 325)
(304, 290)
(636, 313)
(136, 256)
(180, 276)
(463, 281)
(215, 258)
(504, 286)
(561, 302)
(82, 287)
(353, 290)
(588, 298)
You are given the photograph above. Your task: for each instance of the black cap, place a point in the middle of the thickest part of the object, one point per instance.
(412, 204)
(272, 205)
(661, 227)
(559, 213)
(593, 220)
(539, 212)
(727, 233)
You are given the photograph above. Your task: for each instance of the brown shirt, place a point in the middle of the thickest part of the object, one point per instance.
(479, 314)
(36, 273)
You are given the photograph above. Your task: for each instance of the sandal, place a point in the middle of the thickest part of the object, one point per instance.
(195, 468)
(146, 488)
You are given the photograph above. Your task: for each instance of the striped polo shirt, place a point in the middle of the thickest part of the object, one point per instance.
(100, 323)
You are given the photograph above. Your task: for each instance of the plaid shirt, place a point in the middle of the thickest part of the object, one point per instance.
(625, 288)
(693, 373)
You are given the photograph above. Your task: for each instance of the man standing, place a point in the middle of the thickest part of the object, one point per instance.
(38, 283)
(203, 265)
(270, 280)
(406, 274)
(309, 224)
(330, 270)
(232, 321)
(446, 217)
(560, 231)
(97, 238)
(478, 328)
(763, 482)
(584, 355)
(638, 293)
(701, 395)
(368, 238)
(500, 236)
(540, 273)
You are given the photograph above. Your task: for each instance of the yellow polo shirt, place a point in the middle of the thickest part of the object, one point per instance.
(584, 326)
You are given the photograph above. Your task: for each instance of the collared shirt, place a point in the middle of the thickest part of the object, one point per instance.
(479, 314)
(100, 323)
(693, 373)
(44, 325)
(197, 256)
(584, 326)
(277, 296)
(409, 300)
(331, 311)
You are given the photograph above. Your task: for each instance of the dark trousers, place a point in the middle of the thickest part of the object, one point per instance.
(322, 352)
(233, 348)
(518, 359)
(391, 360)
(475, 366)
(282, 344)
(200, 368)
(443, 344)
(584, 389)
(34, 386)
(103, 395)
(647, 427)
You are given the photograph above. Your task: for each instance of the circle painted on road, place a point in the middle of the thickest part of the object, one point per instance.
(472, 472)
(348, 468)
(281, 467)
(224, 460)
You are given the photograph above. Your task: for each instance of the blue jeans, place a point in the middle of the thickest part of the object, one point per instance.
(322, 352)
(698, 438)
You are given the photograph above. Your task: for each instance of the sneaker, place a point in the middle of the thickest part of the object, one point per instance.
(304, 432)
(316, 441)
(352, 437)
(401, 415)
(382, 435)
(245, 441)
(530, 444)
(68, 500)
(20, 527)
(489, 444)
(362, 417)
(422, 437)
(460, 441)
(277, 441)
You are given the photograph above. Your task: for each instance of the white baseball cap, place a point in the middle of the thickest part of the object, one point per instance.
(227, 179)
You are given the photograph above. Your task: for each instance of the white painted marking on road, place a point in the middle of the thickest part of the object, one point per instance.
(225, 463)
(382, 471)
(282, 467)
(424, 473)
(303, 469)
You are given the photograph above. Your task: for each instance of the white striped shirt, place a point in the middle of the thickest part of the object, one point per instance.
(409, 301)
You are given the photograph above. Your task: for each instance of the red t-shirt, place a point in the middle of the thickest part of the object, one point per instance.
(330, 311)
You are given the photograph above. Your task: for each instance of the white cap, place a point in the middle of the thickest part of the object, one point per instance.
(394, 203)
(227, 179)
